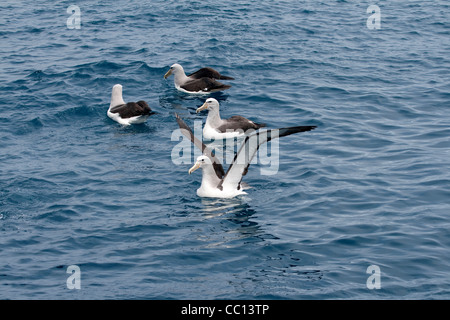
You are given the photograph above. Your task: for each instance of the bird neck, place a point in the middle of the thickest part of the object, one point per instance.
(214, 119)
(116, 98)
(180, 77)
(209, 178)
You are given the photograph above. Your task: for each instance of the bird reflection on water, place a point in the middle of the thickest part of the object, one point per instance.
(238, 221)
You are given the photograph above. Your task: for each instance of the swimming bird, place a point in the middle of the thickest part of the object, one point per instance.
(127, 113)
(216, 128)
(201, 81)
(215, 182)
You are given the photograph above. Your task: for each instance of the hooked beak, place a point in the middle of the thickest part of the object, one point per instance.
(203, 107)
(195, 167)
(168, 74)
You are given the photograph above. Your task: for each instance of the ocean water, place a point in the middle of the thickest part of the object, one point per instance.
(369, 187)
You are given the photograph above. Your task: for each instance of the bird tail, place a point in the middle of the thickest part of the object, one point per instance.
(220, 87)
(146, 110)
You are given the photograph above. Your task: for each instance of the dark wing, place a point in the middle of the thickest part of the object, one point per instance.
(208, 73)
(236, 123)
(204, 85)
(132, 109)
(248, 149)
(218, 168)
(144, 106)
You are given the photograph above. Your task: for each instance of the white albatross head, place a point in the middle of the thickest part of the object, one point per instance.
(175, 69)
(211, 104)
(201, 162)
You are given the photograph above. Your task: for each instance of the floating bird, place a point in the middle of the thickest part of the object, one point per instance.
(216, 128)
(215, 182)
(127, 113)
(201, 81)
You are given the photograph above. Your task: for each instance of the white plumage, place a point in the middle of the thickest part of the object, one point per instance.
(127, 113)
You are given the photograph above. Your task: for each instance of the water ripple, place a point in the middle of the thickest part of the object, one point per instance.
(369, 186)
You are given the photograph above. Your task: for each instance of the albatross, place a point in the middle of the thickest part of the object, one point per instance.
(215, 182)
(216, 128)
(127, 113)
(201, 81)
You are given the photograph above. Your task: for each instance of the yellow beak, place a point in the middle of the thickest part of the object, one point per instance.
(203, 107)
(195, 167)
(168, 74)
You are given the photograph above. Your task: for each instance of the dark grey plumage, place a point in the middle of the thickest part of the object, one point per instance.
(204, 84)
(235, 123)
(132, 109)
(209, 73)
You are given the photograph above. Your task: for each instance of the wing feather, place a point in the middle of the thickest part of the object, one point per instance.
(204, 85)
(239, 123)
(248, 150)
(208, 73)
(218, 168)
(132, 109)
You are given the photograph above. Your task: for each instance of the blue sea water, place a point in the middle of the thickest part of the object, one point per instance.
(370, 186)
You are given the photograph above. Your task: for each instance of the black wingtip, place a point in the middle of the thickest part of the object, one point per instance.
(304, 128)
(291, 130)
(222, 87)
(226, 78)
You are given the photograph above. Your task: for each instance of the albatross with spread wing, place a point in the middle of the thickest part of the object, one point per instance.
(215, 182)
